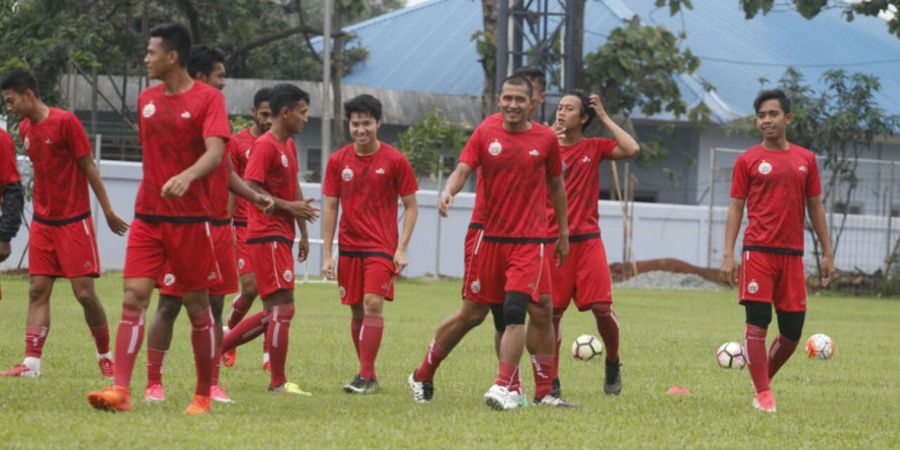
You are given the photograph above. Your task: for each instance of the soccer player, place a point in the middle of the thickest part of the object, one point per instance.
(586, 276)
(776, 180)
(62, 242)
(365, 178)
(206, 64)
(12, 199)
(239, 147)
(183, 126)
(273, 170)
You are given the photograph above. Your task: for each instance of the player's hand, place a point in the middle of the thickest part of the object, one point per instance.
(559, 129)
(116, 224)
(264, 203)
(303, 249)
(176, 186)
(303, 209)
(444, 203)
(401, 260)
(328, 267)
(827, 267)
(729, 270)
(594, 102)
(5, 250)
(561, 252)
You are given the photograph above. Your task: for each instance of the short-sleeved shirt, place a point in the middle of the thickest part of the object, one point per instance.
(218, 189)
(368, 188)
(54, 145)
(9, 171)
(273, 165)
(239, 150)
(172, 130)
(495, 119)
(581, 172)
(514, 170)
(775, 185)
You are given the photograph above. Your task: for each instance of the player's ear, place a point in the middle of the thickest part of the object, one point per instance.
(788, 117)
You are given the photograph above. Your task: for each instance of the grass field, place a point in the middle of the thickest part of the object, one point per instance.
(668, 338)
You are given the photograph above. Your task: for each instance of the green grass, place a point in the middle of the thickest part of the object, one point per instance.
(668, 338)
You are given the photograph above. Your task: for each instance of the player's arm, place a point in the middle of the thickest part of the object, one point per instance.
(329, 223)
(627, 147)
(300, 209)
(455, 183)
(411, 206)
(11, 207)
(208, 161)
(116, 223)
(303, 249)
(560, 209)
(816, 212)
(239, 187)
(729, 270)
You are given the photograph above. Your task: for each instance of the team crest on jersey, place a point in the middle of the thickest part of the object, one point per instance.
(753, 287)
(764, 168)
(284, 160)
(26, 143)
(241, 263)
(168, 279)
(495, 148)
(475, 286)
(803, 169)
(586, 159)
(342, 291)
(149, 110)
(347, 174)
(287, 275)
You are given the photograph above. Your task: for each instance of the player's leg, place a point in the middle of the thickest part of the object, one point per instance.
(378, 285)
(266, 280)
(37, 326)
(515, 308)
(358, 384)
(756, 289)
(240, 305)
(217, 306)
(281, 306)
(594, 291)
(203, 335)
(159, 339)
(790, 307)
(95, 316)
(790, 330)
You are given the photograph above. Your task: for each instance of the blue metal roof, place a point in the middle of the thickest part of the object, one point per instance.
(428, 48)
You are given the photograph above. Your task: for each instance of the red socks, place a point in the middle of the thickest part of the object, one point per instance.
(246, 330)
(129, 338)
(355, 328)
(542, 365)
(757, 359)
(203, 338)
(781, 350)
(433, 358)
(34, 341)
(239, 308)
(608, 327)
(155, 361)
(277, 331)
(369, 342)
(508, 371)
(101, 338)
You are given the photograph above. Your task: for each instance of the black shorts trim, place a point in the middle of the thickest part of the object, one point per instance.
(476, 226)
(518, 240)
(266, 239)
(219, 222)
(775, 250)
(584, 237)
(366, 255)
(239, 223)
(61, 222)
(171, 219)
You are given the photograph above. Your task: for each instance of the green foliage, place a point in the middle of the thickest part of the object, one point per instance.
(486, 47)
(424, 143)
(239, 123)
(812, 8)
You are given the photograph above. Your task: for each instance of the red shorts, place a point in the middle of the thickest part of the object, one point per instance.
(361, 275)
(585, 276)
(68, 250)
(545, 284)
(498, 268)
(473, 236)
(244, 265)
(223, 240)
(274, 266)
(773, 278)
(187, 248)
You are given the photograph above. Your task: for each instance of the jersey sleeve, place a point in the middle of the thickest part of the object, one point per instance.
(258, 165)
(604, 147)
(76, 137)
(740, 179)
(332, 183)
(9, 172)
(215, 120)
(406, 178)
(471, 152)
(813, 182)
(553, 161)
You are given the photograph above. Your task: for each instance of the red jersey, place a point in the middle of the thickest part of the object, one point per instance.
(368, 188)
(514, 169)
(775, 184)
(239, 151)
(273, 165)
(581, 171)
(172, 129)
(495, 119)
(218, 189)
(9, 171)
(54, 144)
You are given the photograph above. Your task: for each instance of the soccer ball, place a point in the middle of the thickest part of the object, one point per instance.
(731, 356)
(819, 346)
(586, 347)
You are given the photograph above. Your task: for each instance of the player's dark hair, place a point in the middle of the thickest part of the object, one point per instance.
(364, 104)
(203, 58)
(286, 95)
(586, 109)
(518, 80)
(175, 37)
(261, 96)
(773, 94)
(20, 81)
(534, 75)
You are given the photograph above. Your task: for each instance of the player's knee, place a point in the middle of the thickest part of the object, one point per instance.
(373, 304)
(758, 314)
(499, 321)
(601, 309)
(85, 295)
(168, 310)
(217, 305)
(248, 290)
(515, 308)
(790, 324)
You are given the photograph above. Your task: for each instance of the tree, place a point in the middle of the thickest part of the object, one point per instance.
(429, 140)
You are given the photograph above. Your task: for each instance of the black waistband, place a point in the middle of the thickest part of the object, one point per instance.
(366, 255)
(219, 222)
(518, 240)
(60, 222)
(584, 237)
(239, 223)
(476, 225)
(171, 219)
(776, 250)
(265, 239)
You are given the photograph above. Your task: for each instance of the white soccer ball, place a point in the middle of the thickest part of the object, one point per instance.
(586, 347)
(819, 346)
(731, 356)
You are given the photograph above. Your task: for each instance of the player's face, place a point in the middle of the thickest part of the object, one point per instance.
(262, 116)
(157, 60)
(537, 99)
(296, 117)
(514, 103)
(568, 113)
(771, 121)
(216, 77)
(363, 128)
(19, 105)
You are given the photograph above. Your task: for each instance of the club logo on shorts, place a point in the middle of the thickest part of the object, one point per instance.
(88, 264)
(475, 287)
(534, 152)
(284, 160)
(342, 291)
(168, 279)
(149, 110)
(211, 276)
(495, 148)
(287, 275)
(347, 174)
(26, 143)
(241, 263)
(753, 287)
(764, 168)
